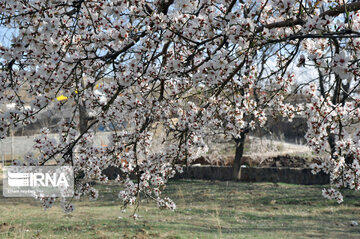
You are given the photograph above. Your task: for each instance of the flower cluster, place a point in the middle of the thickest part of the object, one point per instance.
(179, 68)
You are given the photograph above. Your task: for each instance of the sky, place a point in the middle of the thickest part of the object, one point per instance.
(5, 35)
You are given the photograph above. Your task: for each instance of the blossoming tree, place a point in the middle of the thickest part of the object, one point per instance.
(182, 65)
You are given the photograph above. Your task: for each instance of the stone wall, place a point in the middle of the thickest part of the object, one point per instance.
(254, 174)
(248, 174)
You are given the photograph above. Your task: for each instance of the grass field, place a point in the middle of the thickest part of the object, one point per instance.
(205, 210)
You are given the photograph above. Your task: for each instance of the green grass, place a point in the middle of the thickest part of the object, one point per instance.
(205, 210)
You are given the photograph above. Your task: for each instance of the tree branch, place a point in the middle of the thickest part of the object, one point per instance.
(331, 13)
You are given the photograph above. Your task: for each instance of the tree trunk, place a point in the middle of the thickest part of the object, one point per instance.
(84, 120)
(238, 155)
(332, 143)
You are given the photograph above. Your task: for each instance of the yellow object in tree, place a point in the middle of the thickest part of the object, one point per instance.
(61, 97)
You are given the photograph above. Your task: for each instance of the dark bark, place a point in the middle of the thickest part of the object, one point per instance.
(240, 142)
(83, 119)
(83, 115)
